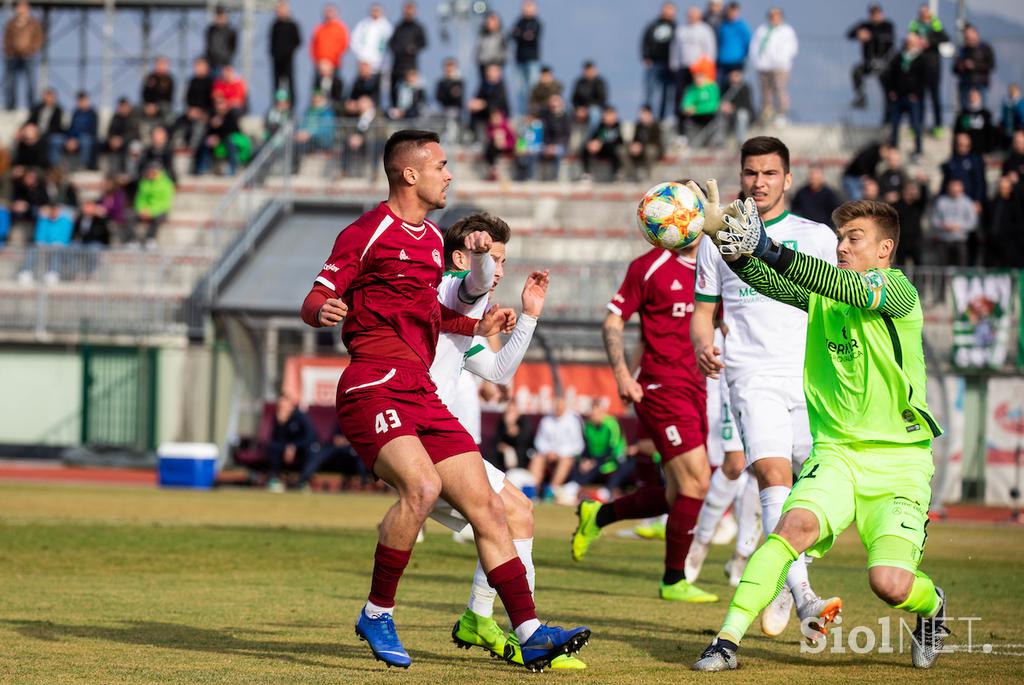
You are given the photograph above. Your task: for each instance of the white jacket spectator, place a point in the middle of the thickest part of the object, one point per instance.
(560, 434)
(772, 51)
(693, 40)
(370, 38)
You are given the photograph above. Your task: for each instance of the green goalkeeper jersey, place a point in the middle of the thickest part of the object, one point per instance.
(864, 369)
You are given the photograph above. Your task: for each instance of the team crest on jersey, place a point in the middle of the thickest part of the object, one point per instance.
(404, 257)
(437, 257)
(676, 285)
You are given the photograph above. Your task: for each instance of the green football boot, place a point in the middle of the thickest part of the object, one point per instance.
(586, 529)
(685, 592)
(655, 530)
(565, 662)
(474, 630)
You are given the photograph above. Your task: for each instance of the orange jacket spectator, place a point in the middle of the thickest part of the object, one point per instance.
(330, 41)
(231, 87)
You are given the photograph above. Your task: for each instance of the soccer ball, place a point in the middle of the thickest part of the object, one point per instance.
(670, 216)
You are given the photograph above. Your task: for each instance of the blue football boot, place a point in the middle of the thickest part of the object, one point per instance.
(383, 639)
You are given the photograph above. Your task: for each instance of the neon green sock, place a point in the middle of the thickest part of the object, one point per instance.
(922, 600)
(762, 580)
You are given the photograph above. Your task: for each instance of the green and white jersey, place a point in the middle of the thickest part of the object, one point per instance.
(865, 376)
(766, 337)
(452, 348)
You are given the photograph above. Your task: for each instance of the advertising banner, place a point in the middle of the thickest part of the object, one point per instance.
(982, 309)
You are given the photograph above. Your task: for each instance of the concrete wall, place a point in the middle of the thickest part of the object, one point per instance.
(41, 397)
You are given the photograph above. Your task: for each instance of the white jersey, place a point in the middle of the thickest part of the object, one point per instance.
(766, 337)
(450, 355)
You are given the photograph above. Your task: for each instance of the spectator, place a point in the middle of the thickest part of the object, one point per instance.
(59, 188)
(91, 229)
(370, 39)
(491, 46)
(733, 44)
(189, 127)
(407, 41)
(974, 64)
(737, 105)
(316, 131)
(83, 133)
(893, 176)
(646, 147)
(557, 127)
(158, 86)
(526, 33)
(976, 121)
(547, 85)
(30, 150)
(199, 92)
(114, 204)
(338, 453)
(877, 39)
(153, 202)
(54, 227)
(929, 29)
(279, 114)
(292, 440)
(28, 196)
(1013, 165)
(559, 440)
(590, 91)
(327, 82)
(5, 225)
(864, 163)
(410, 98)
(221, 41)
(700, 100)
(906, 81)
(451, 90)
(491, 96)
(49, 119)
(330, 39)
(968, 167)
(869, 189)
(220, 132)
(23, 39)
(954, 216)
(1012, 112)
(911, 207)
(122, 130)
(367, 82)
(604, 451)
(358, 154)
(605, 143)
(285, 39)
(654, 49)
(1004, 218)
(232, 88)
(773, 49)
(150, 119)
(513, 439)
(501, 142)
(714, 15)
(530, 147)
(159, 152)
(693, 40)
(815, 200)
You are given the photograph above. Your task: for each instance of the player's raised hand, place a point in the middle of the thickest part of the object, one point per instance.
(709, 361)
(496, 320)
(332, 312)
(478, 241)
(713, 212)
(534, 291)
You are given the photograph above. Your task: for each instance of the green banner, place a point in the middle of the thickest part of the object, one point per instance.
(982, 312)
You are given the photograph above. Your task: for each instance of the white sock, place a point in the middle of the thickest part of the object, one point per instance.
(526, 629)
(524, 548)
(747, 508)
(374, 611)
(481, 594)
(772, 499)
(721, 492)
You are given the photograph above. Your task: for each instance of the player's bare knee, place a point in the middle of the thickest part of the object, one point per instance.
(732, 468)
(518, 512)
(799, 528)
(890, 584)
(422, 494)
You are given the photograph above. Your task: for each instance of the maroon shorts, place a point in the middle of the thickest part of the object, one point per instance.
(674, 416)
(379, 401)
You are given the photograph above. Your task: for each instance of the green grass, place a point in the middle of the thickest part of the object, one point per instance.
(134, 585)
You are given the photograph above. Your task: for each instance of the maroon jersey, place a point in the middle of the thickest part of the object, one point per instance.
(659, 286)
(387, 272)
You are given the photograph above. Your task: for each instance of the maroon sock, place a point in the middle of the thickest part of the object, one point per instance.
(682, 519)
(509, 579)
(388, 566)
(647, 473)
(645, 502)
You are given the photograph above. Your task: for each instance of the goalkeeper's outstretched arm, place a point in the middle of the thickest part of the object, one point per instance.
(770, 284)
(873, 289)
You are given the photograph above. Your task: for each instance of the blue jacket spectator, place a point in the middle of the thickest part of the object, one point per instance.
(1012, 111)
(54, 227)
(83, 133)
(318, 123)
(966, 166)
(733, 41)
(5, 224)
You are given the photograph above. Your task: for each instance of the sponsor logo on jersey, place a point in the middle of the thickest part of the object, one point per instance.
(404, 257)
(846, 349)
(676, 285)
(681, 309)
(791, 244)
(330, 267)
(437, 257)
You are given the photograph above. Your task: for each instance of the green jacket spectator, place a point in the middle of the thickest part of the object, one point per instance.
(155, 194)
(701, 99)
(604, 440)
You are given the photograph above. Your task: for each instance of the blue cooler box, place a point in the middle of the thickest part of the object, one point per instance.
(187, 464)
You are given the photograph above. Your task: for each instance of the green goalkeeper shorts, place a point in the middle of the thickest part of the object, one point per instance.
(884, 487)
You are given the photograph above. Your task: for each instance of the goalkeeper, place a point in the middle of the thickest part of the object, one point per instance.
(864, 380)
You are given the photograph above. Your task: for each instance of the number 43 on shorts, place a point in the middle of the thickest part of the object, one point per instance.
(386, 420)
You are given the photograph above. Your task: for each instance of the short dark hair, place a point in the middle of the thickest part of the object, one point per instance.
(883, 215)
(399, 144)
(455, 236)
(765, 145)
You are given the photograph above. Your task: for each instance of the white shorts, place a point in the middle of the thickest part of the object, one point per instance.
(772, 415)
(723, 435)
(448, 516)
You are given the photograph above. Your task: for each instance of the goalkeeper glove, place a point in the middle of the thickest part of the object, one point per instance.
(713, 211)
(746, 235)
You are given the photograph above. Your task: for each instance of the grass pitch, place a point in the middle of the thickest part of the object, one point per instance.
(135, 585)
